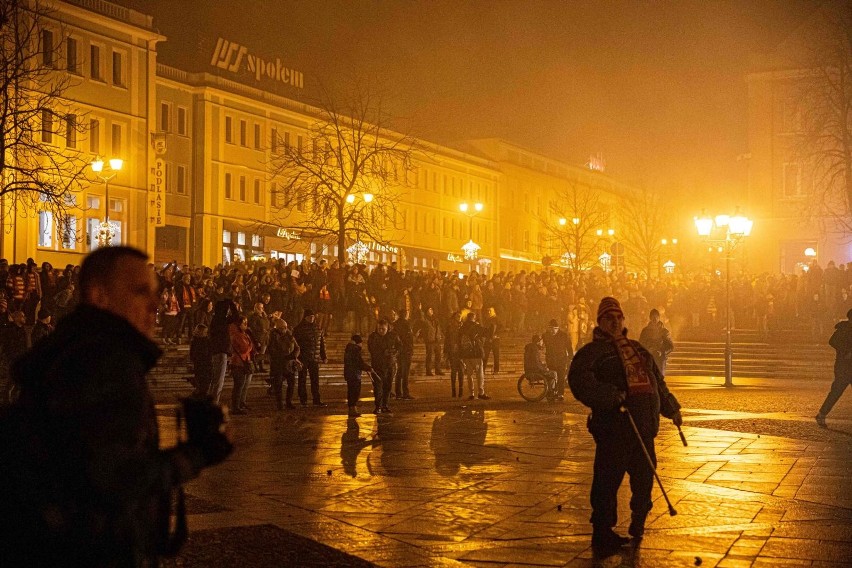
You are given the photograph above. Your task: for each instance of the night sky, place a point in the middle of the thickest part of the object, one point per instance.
(657, 87)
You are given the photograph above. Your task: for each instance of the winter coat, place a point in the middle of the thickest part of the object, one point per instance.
(311, 342)
(403, 329)
(596, 378)
(353, 362)
(534, 359)
(384, 349)
(283, 351)
(557, 349)
(242, 347)
(471, 339)
(841, 341)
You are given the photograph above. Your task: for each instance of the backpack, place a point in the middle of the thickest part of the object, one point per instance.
(470, 347)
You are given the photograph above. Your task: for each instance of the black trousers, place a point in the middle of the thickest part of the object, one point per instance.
(382, 387)
(278, 380)
(841, 381)
(618, 452)
(493, 347)
(402, 374)
(353, 390)
(309, 367)
(433, 357)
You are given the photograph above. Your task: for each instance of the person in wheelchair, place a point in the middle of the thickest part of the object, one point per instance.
(535, 367)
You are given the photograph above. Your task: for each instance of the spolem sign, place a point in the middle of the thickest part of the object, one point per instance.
(235, 58)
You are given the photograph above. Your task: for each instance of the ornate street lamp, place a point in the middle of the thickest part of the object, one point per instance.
(471, 249)
(736, 228)
(106, 230)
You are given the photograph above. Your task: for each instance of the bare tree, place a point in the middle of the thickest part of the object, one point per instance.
(575, 216)
(35, 174)
(823, 114)
(348, 178)
(642, 221)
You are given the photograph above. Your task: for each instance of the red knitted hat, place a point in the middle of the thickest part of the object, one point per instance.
(609, 305)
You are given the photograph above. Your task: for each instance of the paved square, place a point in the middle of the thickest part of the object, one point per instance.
(505, 483)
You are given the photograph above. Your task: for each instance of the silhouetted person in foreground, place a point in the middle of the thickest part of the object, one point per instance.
(82, 479)
(606, 374)
(841, 341)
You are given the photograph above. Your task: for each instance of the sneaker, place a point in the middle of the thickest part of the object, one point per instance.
(471, 397)
(386, 410)
(820, 420)
(484, 397)
(353, 413)
(320, 404)
(407, 397)
(377, 410)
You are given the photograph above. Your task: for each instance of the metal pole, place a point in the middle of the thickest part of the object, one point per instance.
(729, 379)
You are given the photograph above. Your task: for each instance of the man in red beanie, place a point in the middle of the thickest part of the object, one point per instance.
(606, 374)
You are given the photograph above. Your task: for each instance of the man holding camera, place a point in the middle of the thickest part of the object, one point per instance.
(82, 479)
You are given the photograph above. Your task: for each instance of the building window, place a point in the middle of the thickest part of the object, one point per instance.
(242, 188)
(273, 140)
(116, 140)
(227, 186)
(118, 69)
(71, 131)
(168, 176)
(93, 202)
(71, 60)
(287, 141)
(181, 180)
(69, 234)
(95, 63)
(47, 54)
(181, 121)
(257, 191)
(95, 136)
(243, 133)
(241, 239)
(45, 229)
(792, 179)
(229, 130)
(165, 114)
(46, 126)
(226, 237)
(257, 136)
(256, 242)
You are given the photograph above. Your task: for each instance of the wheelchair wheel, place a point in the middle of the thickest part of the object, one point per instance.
(532, 390)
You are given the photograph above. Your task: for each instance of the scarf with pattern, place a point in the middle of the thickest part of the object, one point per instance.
(635, 369)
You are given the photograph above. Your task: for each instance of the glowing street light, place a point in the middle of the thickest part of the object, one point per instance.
(735, 228)
(471, 249)
(106, 230)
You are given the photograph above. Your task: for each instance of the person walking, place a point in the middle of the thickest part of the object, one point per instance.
(225, 312)
(558, 353)
(311, 354)
(610, 372)
(657, 340)
(471, 338)
(83, 481)
(841, 341)
(451, 350)
(353, 364)
(384, 346)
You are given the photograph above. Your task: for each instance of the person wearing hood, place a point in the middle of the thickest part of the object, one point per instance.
(841, 341)
(607, 374)
(657, 340)
(83, 481)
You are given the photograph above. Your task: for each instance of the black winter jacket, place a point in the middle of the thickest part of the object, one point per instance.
(596, 378)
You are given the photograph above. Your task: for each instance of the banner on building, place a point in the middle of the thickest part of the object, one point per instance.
(157, 194)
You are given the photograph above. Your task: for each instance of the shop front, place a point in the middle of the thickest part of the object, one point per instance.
(241, 243)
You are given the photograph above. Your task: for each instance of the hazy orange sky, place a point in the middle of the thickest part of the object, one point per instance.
(657, 87)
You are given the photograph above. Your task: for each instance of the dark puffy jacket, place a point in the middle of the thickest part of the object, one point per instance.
(471, 339)
(353, 361)
(311, 341)
(597, 377)
(558, 349)
(384, 349)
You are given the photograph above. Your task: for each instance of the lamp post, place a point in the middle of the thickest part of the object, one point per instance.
(106, 231)
(470, 248)
(663, 265)
(357, 251)
(735, 228)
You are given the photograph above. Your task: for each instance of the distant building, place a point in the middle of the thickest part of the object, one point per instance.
(787, 182)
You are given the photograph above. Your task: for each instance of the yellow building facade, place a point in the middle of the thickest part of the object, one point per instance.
(196, 186)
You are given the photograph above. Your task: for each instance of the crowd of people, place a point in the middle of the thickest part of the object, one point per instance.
(273, 299)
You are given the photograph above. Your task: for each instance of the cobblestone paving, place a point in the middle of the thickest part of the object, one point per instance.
(499, 483)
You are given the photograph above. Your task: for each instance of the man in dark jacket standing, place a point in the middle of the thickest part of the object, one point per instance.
(311, 354)
(657, 340)
(384, 346)
(558, 353)
(841, 341)
(430, 330)
(402, 328)
(606, 374)
(82, 479)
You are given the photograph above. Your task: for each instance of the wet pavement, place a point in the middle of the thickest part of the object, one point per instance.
(443, 482)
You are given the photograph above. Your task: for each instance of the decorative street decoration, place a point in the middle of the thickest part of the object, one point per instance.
(471, 250)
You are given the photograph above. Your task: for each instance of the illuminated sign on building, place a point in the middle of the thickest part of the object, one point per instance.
(378, 247)
(287, 234)
(156, 195)
(235, 58)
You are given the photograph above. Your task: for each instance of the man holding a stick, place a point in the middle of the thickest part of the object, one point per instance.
(607, 374)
